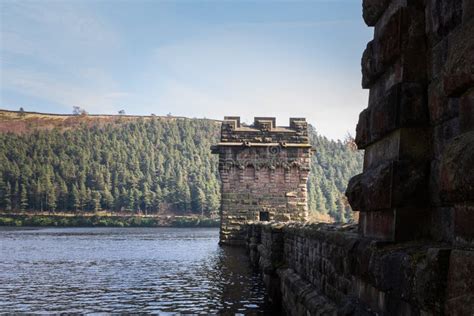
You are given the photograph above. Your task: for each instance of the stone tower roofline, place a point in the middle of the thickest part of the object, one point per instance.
(265, 124)
(263, 133)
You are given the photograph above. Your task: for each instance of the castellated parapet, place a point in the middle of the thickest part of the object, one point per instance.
(263, 169)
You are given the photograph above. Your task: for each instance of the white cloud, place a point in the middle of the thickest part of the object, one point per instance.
(228, 73)
(47, 30)
(54, 51)
(43, 86)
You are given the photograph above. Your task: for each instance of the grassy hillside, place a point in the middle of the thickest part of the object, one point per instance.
(24, 122)
(153, 165)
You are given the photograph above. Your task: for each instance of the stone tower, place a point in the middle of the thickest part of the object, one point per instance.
(263, 170)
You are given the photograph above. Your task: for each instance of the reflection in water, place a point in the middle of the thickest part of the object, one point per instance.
(156, 270)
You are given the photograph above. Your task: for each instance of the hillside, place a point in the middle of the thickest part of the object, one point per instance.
(163, 165)
(24, 122)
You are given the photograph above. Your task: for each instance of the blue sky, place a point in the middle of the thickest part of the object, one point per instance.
(190, 58)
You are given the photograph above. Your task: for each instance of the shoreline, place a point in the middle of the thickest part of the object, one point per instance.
(97, 220)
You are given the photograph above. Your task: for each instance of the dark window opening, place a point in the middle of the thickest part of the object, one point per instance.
(264, 216)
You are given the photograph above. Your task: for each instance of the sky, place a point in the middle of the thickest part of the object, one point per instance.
(187, 57)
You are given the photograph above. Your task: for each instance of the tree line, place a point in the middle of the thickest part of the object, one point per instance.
(332, 166)
(140, 166)
(149, 166)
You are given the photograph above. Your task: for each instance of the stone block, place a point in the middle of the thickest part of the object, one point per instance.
(443, 17)
(413, 46)
(370, 295)
(460, 288)
(388, 41)
(467, 10)
(404, 105)
(401, 37)
(459, 68)
(371, 70)
(362, 130)
(403, 277)
(397, 224)
(441, 108)
(383, 116)
(466, 111)
(391, 184)
(442, 224)
(456, 170)
(403, 144)
(443, 134)
(463, 224)
(378, 225)
(438, 56)
(373, 9)
(429, 288)
(382, 51)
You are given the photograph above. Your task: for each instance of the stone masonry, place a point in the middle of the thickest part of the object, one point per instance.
(418, 128)
(323, 269)
(412, 252)
(263, 169)
(418, 135)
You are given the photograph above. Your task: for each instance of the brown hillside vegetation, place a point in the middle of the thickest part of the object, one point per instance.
(24, 122)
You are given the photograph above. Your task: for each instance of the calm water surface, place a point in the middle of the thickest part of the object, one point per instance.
(156, 270)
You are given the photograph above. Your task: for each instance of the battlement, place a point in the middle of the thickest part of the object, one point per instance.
(264, 131)
(263, 170)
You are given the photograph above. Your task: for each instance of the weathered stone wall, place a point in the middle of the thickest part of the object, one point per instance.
(417, 130)
(323, 269)
(418, 136)
(263, 170)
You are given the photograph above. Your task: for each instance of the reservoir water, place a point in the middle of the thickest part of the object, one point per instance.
(151, 270)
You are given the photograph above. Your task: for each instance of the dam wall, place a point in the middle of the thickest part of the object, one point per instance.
(324, 269)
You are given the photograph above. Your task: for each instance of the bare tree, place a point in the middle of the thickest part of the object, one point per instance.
(77, 110)
(349, 141)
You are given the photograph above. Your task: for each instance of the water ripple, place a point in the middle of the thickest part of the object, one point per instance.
(152, 270)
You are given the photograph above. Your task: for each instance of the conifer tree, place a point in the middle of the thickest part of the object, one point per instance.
(96, 201)
(23, 198)
(2, 192)
(146, 197)
(107, 199)
(63, 196)
(8, 197)
(51, 198)
(16, 196)
(76, 198)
